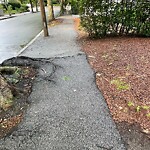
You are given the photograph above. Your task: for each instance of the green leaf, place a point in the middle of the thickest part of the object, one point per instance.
(148, 115)
(138, 108)
(65, 78)
(146, 107)
(130, 104)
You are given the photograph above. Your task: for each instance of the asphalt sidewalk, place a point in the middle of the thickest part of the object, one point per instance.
(67, 111)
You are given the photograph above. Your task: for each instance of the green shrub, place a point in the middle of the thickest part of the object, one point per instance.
(14, 4)
(55, 1)
(14, 12)
(45, 2)
(24, 8)
(1, 6)
(105, 17)
(9, 10)
(75, 7)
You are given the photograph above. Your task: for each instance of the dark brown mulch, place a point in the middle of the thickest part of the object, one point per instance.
(21, 85)
(122, 66)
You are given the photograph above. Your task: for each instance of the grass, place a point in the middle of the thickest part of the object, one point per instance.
(120, 85)
(140, 108)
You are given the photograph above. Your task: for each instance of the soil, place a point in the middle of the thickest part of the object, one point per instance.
(21, 85)
(122, 67)
(55, 22)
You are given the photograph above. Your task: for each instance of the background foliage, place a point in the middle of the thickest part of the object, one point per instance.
(14, 6)
(115, 17)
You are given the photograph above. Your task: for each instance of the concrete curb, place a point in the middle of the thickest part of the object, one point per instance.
(12, 16)
(31, 42)
(4, 18)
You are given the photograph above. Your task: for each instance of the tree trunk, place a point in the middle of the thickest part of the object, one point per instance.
(6, 96)
(31, 6)
(50, 10)
(62, 10)
(36, 5)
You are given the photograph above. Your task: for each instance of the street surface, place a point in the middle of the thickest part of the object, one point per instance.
(17, 32)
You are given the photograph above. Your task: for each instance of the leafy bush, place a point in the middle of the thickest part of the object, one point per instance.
(13, 11)
(75, 6)
(9, 9)
(55, 1)
(105, 17)
(24, 8)
(14, 4)
(1, 6)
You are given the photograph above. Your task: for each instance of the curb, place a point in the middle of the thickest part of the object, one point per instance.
(13, 15)
(31, 42)
(4, 18)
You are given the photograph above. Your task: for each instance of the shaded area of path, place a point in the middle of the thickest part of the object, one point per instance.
(67, 111)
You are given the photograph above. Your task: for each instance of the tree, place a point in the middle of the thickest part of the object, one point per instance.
(36, 5)
(44, 21)
(31, 3)
(50, 10)
(62, 5)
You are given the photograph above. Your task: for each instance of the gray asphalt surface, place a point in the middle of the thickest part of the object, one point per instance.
(60, 43)
(67, 110)
(16, 32)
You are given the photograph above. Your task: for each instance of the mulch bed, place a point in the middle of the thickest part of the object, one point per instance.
(122, 66)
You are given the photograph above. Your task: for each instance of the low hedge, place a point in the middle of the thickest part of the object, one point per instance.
(105, 17)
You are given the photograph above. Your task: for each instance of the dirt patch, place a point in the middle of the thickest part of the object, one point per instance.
(133, 136)
(122, 66)
(55, 22)
(20, 83)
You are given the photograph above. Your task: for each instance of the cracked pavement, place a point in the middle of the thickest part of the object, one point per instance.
(67, 111)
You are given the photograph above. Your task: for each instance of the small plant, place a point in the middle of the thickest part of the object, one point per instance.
(8, 103)
(146, 107)
(121, 85)
(9, 9)
(148, 115)
(105, 56)
(128, 67)
(65, 78)
(130, 104)
(12, 80)
(138, 108)
(17, 72)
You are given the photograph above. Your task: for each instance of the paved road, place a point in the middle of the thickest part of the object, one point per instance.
(16, 32)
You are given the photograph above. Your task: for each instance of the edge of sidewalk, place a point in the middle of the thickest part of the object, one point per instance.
(30, 43)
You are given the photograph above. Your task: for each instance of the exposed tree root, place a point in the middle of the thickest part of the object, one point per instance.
(6, 96)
